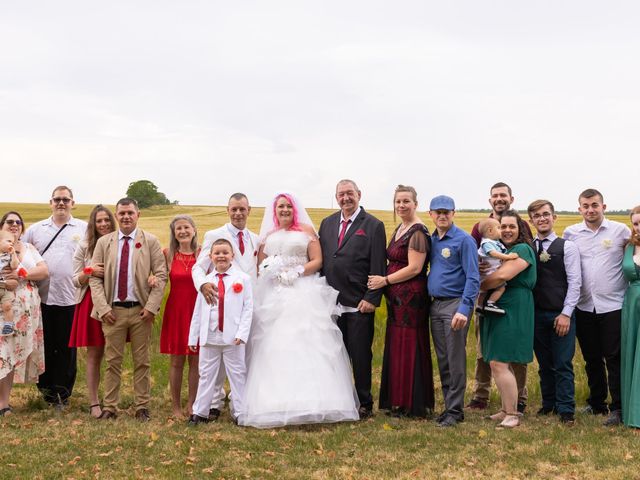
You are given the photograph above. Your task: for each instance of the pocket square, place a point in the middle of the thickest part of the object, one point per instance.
(361, 233)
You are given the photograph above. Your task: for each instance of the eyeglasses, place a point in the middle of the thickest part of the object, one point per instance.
(12, 222)
(538, 216)
(64, 200)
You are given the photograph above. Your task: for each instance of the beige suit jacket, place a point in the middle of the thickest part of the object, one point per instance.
(81, 259)
(147, 259)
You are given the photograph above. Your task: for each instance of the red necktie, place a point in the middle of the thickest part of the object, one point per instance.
(240, 243)
(220, 301)
(345, 224)
(123, 271)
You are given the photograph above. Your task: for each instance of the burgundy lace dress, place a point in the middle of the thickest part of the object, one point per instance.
(407, 375)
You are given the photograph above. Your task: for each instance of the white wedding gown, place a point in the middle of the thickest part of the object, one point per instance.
(298, 370)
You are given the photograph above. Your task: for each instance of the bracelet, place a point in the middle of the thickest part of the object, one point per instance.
(386, 281)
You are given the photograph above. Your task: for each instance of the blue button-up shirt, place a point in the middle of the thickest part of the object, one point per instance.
(454, 268)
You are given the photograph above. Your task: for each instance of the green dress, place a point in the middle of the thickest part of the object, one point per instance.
(630, 342)
(509, 338)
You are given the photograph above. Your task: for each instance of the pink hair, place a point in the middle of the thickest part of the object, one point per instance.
(295, 225)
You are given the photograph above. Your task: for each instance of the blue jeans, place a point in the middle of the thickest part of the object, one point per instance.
(555, 357)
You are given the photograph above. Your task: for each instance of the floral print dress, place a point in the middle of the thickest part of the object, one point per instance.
(24, 350)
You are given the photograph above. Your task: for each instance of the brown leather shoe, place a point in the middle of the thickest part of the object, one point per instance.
(143, 415)
(477, 404)
(108, 415)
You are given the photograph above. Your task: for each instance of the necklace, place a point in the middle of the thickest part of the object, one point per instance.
(184, 259)
(403, 230)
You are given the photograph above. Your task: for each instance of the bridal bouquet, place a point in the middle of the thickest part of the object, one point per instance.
(282, 269)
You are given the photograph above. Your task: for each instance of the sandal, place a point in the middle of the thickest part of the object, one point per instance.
(91, 407)
(6, 411)
(511, 420)
(498, 416)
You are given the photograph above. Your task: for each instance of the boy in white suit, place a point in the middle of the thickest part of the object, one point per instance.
(221, 330)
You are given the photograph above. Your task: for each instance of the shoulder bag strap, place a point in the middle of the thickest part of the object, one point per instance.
(53, 239)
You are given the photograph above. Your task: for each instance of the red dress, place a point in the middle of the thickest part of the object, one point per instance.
(407, 376)
(179, 307)
(86, 331)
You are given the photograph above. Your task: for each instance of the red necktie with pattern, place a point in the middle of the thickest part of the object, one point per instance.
(123, 271)
(345, 224)
(240, 243)
(221, 301)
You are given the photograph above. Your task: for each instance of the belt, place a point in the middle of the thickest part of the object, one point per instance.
(126, 304)
(445, 299)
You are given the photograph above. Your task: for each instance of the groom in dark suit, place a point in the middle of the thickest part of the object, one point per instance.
(354, 247)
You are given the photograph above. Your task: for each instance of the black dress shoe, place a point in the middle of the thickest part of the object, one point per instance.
(142, 415)
(546, 411)
(440, 417)
(614, 419)
(589, 410)
(365, 412)
(567, 418)
(448, 421)
(196, 419)
(108, 415)
(214, 414)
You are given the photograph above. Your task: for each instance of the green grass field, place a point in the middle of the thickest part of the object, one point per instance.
(37, 442)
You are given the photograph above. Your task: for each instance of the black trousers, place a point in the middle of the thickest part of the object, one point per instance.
(599, 338)
(357, 333)
(56, 383)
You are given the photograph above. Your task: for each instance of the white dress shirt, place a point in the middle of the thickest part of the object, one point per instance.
(572, 268)
(131, 293)
(58, 289)
(246, 262)
(350, 220)
(601, 253)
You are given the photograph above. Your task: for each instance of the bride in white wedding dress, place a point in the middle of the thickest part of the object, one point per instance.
(298, 369)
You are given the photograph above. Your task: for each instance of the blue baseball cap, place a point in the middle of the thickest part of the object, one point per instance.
(442, 202)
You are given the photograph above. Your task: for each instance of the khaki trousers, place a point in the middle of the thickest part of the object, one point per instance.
(128, 321)
(482, 384)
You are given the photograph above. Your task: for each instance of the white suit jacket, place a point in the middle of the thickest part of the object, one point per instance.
(238, 309)
(246, 263)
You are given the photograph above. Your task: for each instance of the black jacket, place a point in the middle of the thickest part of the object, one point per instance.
(362, 253)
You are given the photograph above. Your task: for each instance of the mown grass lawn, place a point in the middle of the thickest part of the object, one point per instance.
(38, 442)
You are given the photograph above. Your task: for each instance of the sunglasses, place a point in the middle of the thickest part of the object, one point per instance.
(12, 222)
(64, 200)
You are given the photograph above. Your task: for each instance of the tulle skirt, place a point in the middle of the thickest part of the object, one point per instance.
(298, 368)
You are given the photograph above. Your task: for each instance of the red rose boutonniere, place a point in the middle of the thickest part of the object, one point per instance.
(87, 270)
(22, 272)
(138, 245)
(237, 287)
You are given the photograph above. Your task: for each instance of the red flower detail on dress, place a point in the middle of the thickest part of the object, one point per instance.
(237, 287)
(22, 272)
(138, 245)
(87, 270)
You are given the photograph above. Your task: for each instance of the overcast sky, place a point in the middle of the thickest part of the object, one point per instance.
(205, 98)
